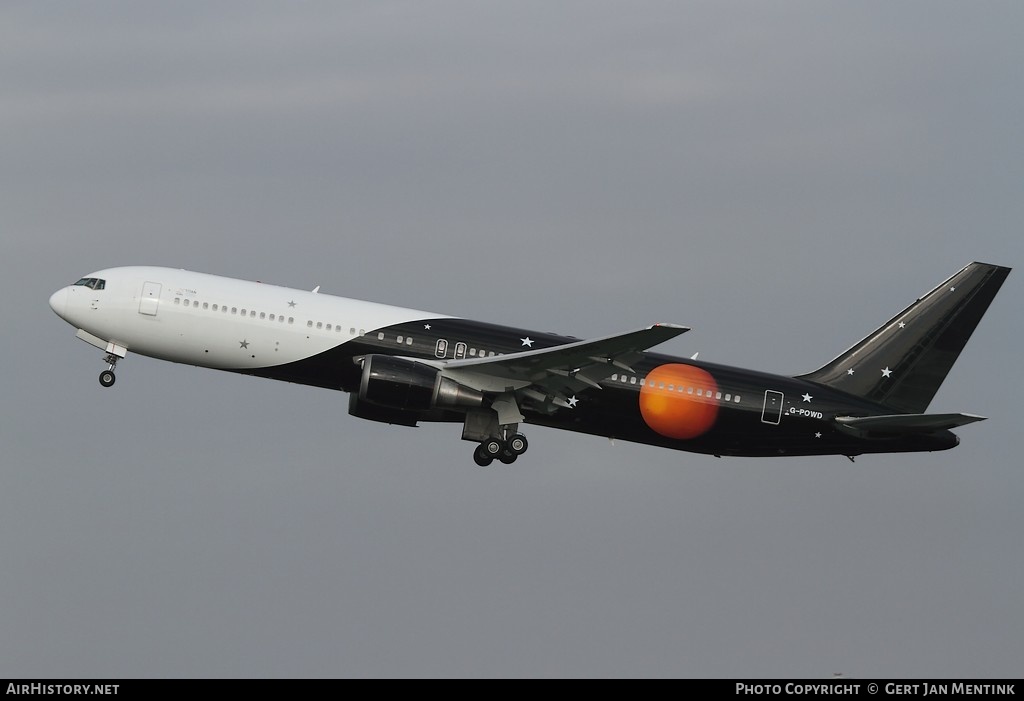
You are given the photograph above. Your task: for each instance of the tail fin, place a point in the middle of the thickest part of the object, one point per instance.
(902, 364)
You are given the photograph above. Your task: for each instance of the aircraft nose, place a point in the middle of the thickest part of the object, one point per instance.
(59, 302)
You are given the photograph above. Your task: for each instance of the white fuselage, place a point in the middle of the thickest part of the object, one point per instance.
(217, 322)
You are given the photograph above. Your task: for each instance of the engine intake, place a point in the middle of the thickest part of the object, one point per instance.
(400, 383)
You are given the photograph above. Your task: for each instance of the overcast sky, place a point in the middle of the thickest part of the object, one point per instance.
(782, 177)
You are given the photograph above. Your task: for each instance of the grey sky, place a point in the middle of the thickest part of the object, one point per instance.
(782, 177)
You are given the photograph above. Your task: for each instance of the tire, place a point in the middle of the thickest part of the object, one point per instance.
(481, 458)
(518, 444)
(107, 378)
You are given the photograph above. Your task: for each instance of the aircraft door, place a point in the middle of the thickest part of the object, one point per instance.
(772, 413)
(150, 301)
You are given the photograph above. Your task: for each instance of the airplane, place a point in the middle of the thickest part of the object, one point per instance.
(403, 366)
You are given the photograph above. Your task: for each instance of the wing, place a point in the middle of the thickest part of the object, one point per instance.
(547, 376)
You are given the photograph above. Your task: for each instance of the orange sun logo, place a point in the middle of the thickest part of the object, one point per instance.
(678, 401)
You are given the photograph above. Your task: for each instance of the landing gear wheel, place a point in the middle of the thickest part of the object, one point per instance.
(518, 444)
(497, 449)
(481, 458)
(107, 378)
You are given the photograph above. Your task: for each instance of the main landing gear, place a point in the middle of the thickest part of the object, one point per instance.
(504, 449)
(107, 377)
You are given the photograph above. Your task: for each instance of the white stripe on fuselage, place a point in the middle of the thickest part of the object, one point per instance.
(198, 335)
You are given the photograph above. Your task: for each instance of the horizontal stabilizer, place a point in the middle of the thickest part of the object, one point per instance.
(901, 424)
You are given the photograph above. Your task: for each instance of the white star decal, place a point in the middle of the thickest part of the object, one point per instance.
(572, 401)
(903, 325)
(850, 371)
(952, 289)
(527, 342)
(807, 397)
(886, 372)
(818, 434)
(427, 327)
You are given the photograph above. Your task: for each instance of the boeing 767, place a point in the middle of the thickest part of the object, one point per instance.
(402, 366)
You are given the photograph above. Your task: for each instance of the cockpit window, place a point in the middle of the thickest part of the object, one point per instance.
(93, 283)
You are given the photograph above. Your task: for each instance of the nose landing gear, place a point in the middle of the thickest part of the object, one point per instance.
(107, 377)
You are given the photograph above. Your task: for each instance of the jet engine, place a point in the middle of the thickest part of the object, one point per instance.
(408, 385)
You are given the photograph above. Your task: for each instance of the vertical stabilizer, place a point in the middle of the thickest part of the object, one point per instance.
(903, 363)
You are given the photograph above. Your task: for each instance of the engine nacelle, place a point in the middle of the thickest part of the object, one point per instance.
(400, 383)
(372, 412)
